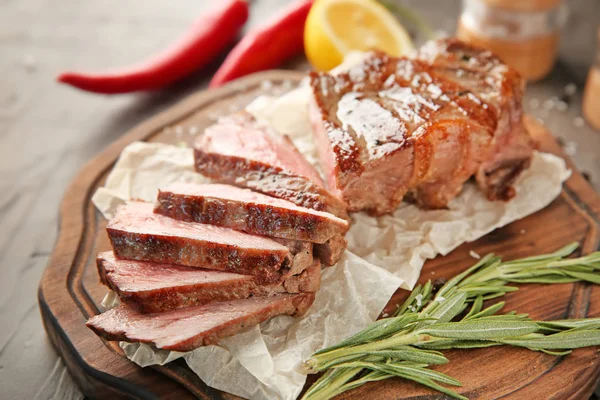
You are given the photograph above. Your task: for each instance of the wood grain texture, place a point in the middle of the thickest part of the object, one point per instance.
(70, 291)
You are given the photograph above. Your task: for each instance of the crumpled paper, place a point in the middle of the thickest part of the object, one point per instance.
(383, 254)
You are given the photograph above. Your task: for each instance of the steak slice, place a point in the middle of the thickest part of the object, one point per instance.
(137, 233)
(151, 287)
(502, 87)
(247, 211)
(188, 328)
(242, 151)
(393, 126)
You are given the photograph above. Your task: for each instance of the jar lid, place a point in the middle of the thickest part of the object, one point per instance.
(524, 5)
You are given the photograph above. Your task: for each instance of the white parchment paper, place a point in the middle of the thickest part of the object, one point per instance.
(383, 254)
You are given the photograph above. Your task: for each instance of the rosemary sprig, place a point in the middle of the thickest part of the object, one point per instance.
(406, 344)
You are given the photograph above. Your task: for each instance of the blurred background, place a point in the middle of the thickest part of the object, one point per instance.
(49, 131)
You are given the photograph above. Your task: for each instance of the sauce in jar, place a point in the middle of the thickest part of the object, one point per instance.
(591, 95)
(524, 33)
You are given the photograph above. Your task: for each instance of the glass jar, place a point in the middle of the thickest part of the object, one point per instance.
(591, 95)
(524, 33)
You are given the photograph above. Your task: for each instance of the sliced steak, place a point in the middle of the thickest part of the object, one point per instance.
(247, 211)
(242, 151)
(393, 126)
(137, 233)
(502, 87)
(188, 328)
(151, 287)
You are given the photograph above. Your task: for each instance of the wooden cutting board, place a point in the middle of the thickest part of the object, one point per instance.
(70, 291)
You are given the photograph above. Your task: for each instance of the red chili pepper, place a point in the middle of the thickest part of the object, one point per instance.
(209, 35)
(267, 46)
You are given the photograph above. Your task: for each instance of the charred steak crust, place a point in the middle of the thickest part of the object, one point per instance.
(391, 126)
(137, 233)
(188, 328)
(152, 287)
(247, 211)
(501, 86)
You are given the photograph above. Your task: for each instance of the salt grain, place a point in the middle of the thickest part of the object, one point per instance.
(385, 315)
(570, 148)
(534, 103)
(266, 85)
(474, 255)
(178, 131)
(522, 231)
(549, 104)
(193, 130)
(562, 106)
(441, 299)
(578, 122)
(419, 299)
(570, 89)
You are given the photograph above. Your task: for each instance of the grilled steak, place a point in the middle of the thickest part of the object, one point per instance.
(247, 211)
(185, 329)
(394, 126)
(137, 233)
(151, 287)
(500, 86)
(242, 151)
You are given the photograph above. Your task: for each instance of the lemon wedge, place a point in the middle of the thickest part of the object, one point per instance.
(336, 27)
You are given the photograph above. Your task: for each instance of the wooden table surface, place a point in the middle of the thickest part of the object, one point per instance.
(48, 132)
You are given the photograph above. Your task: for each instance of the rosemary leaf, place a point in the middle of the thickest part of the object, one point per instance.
(371, 376)
(330, 383)
(457, 344)
(483, 289)
(476, 308)
(484, 262)
(562, 252)
(480, 329)
(549, 280)
(447, 310)
(563, 340)
(584, 276)
(404, 369)
(570, 323)
(491, 310)
(411, 354)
